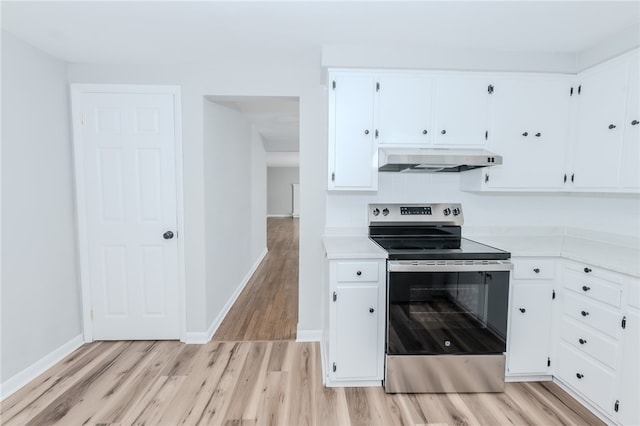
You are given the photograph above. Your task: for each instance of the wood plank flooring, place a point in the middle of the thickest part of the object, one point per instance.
(269, 381)
(267, 308)
(253, 383)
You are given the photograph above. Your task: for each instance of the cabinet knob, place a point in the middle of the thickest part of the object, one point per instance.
(444, 132)
(579, 376)
(525, 134)
(523, 310)
(358, 273)
(366, 132)
(536, 270)
(424, 132)
(582, 341)
(587, 270)
(612, 126)
(635, 122)
(538, 134)
(586, 288)
(584, 313)
(371, 310)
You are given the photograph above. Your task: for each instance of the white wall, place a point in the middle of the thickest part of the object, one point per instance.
(229, 202)
(620, 214)
(279, 192)
(41, 308)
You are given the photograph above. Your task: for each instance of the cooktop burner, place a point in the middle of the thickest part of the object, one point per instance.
(425, 232)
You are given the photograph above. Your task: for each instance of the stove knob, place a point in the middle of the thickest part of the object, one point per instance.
(376, 212)
(447, 211)
(456, 211)
(385, 212)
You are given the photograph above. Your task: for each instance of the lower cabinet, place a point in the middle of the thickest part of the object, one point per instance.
(532, 296)
(628, 395)
(356, 312)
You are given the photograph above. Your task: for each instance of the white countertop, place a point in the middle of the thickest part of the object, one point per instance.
(619, 258)
(352, 247)
(617, 253)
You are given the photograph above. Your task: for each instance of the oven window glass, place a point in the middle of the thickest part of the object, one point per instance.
(447, 312)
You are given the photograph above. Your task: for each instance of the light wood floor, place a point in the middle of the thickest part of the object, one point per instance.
(252, 383)
(240, 382)
(267, 308)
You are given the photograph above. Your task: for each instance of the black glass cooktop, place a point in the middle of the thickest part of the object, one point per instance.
(408, 242)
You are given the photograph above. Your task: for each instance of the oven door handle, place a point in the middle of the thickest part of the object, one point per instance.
(453, 266)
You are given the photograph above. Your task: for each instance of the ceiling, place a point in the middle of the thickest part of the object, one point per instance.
(160, 32)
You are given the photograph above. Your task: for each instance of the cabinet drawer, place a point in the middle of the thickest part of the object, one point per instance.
(533, 269)
(357, 271)
(594, 287)
(591, 313)
(589, 342)
(593, 381)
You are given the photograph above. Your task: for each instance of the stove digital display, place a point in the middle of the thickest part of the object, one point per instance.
(415, 211)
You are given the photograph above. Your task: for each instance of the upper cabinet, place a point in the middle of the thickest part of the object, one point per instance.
(433, 109)
(462, 111)
(530, 130)
(555, 132)
(630, 169)
(353, 151)
(405, 115)
(601, 101)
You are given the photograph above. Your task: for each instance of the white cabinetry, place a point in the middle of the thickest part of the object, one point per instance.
(602, 96)
(588, 341)
(353, 151)
(530, 130)
(355, 355)
(628, 393)
(462, 110)
(405, 114)
(532, 299)
(630, 170)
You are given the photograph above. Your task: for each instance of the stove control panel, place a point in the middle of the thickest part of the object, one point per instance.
(425, 210)
(438, 214)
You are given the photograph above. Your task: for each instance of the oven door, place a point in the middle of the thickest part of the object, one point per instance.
(447, 308)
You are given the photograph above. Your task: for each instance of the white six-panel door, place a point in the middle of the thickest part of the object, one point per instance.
(129, 210)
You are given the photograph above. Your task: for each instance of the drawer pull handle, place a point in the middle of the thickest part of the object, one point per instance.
(371, 310)
(587, 270)
(584, 313)
(359, 273)
(536, 270)
(585, 288)
(582, 341)
(579, 376)
(523, 310)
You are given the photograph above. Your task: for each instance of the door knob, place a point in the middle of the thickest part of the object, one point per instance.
(635, 122)
(167, 235)
(371, 310)
(612, 126)
(523, 310)
(525, 134)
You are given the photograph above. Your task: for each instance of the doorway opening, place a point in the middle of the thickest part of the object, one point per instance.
(267, 307)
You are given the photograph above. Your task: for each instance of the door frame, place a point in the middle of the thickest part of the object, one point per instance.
(76, 91)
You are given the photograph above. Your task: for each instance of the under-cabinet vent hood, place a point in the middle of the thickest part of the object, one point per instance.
(434, 159)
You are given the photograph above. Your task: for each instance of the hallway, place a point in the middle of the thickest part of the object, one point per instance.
(267, 308)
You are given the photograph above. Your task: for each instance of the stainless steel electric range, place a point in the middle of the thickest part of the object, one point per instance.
(447, 301)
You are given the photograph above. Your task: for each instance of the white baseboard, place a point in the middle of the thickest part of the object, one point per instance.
(14, 383)
(206, 336)
(279, 215)
(308, 335)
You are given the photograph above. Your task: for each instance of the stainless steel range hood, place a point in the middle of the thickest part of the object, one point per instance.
(434, 159)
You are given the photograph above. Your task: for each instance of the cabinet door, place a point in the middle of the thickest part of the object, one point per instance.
(353, 154)
(530, 131)
(629, 388)
(630, 170)
(405, 110)
(356, 346)
(461, 111)
(530, 329)
(597, 149)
